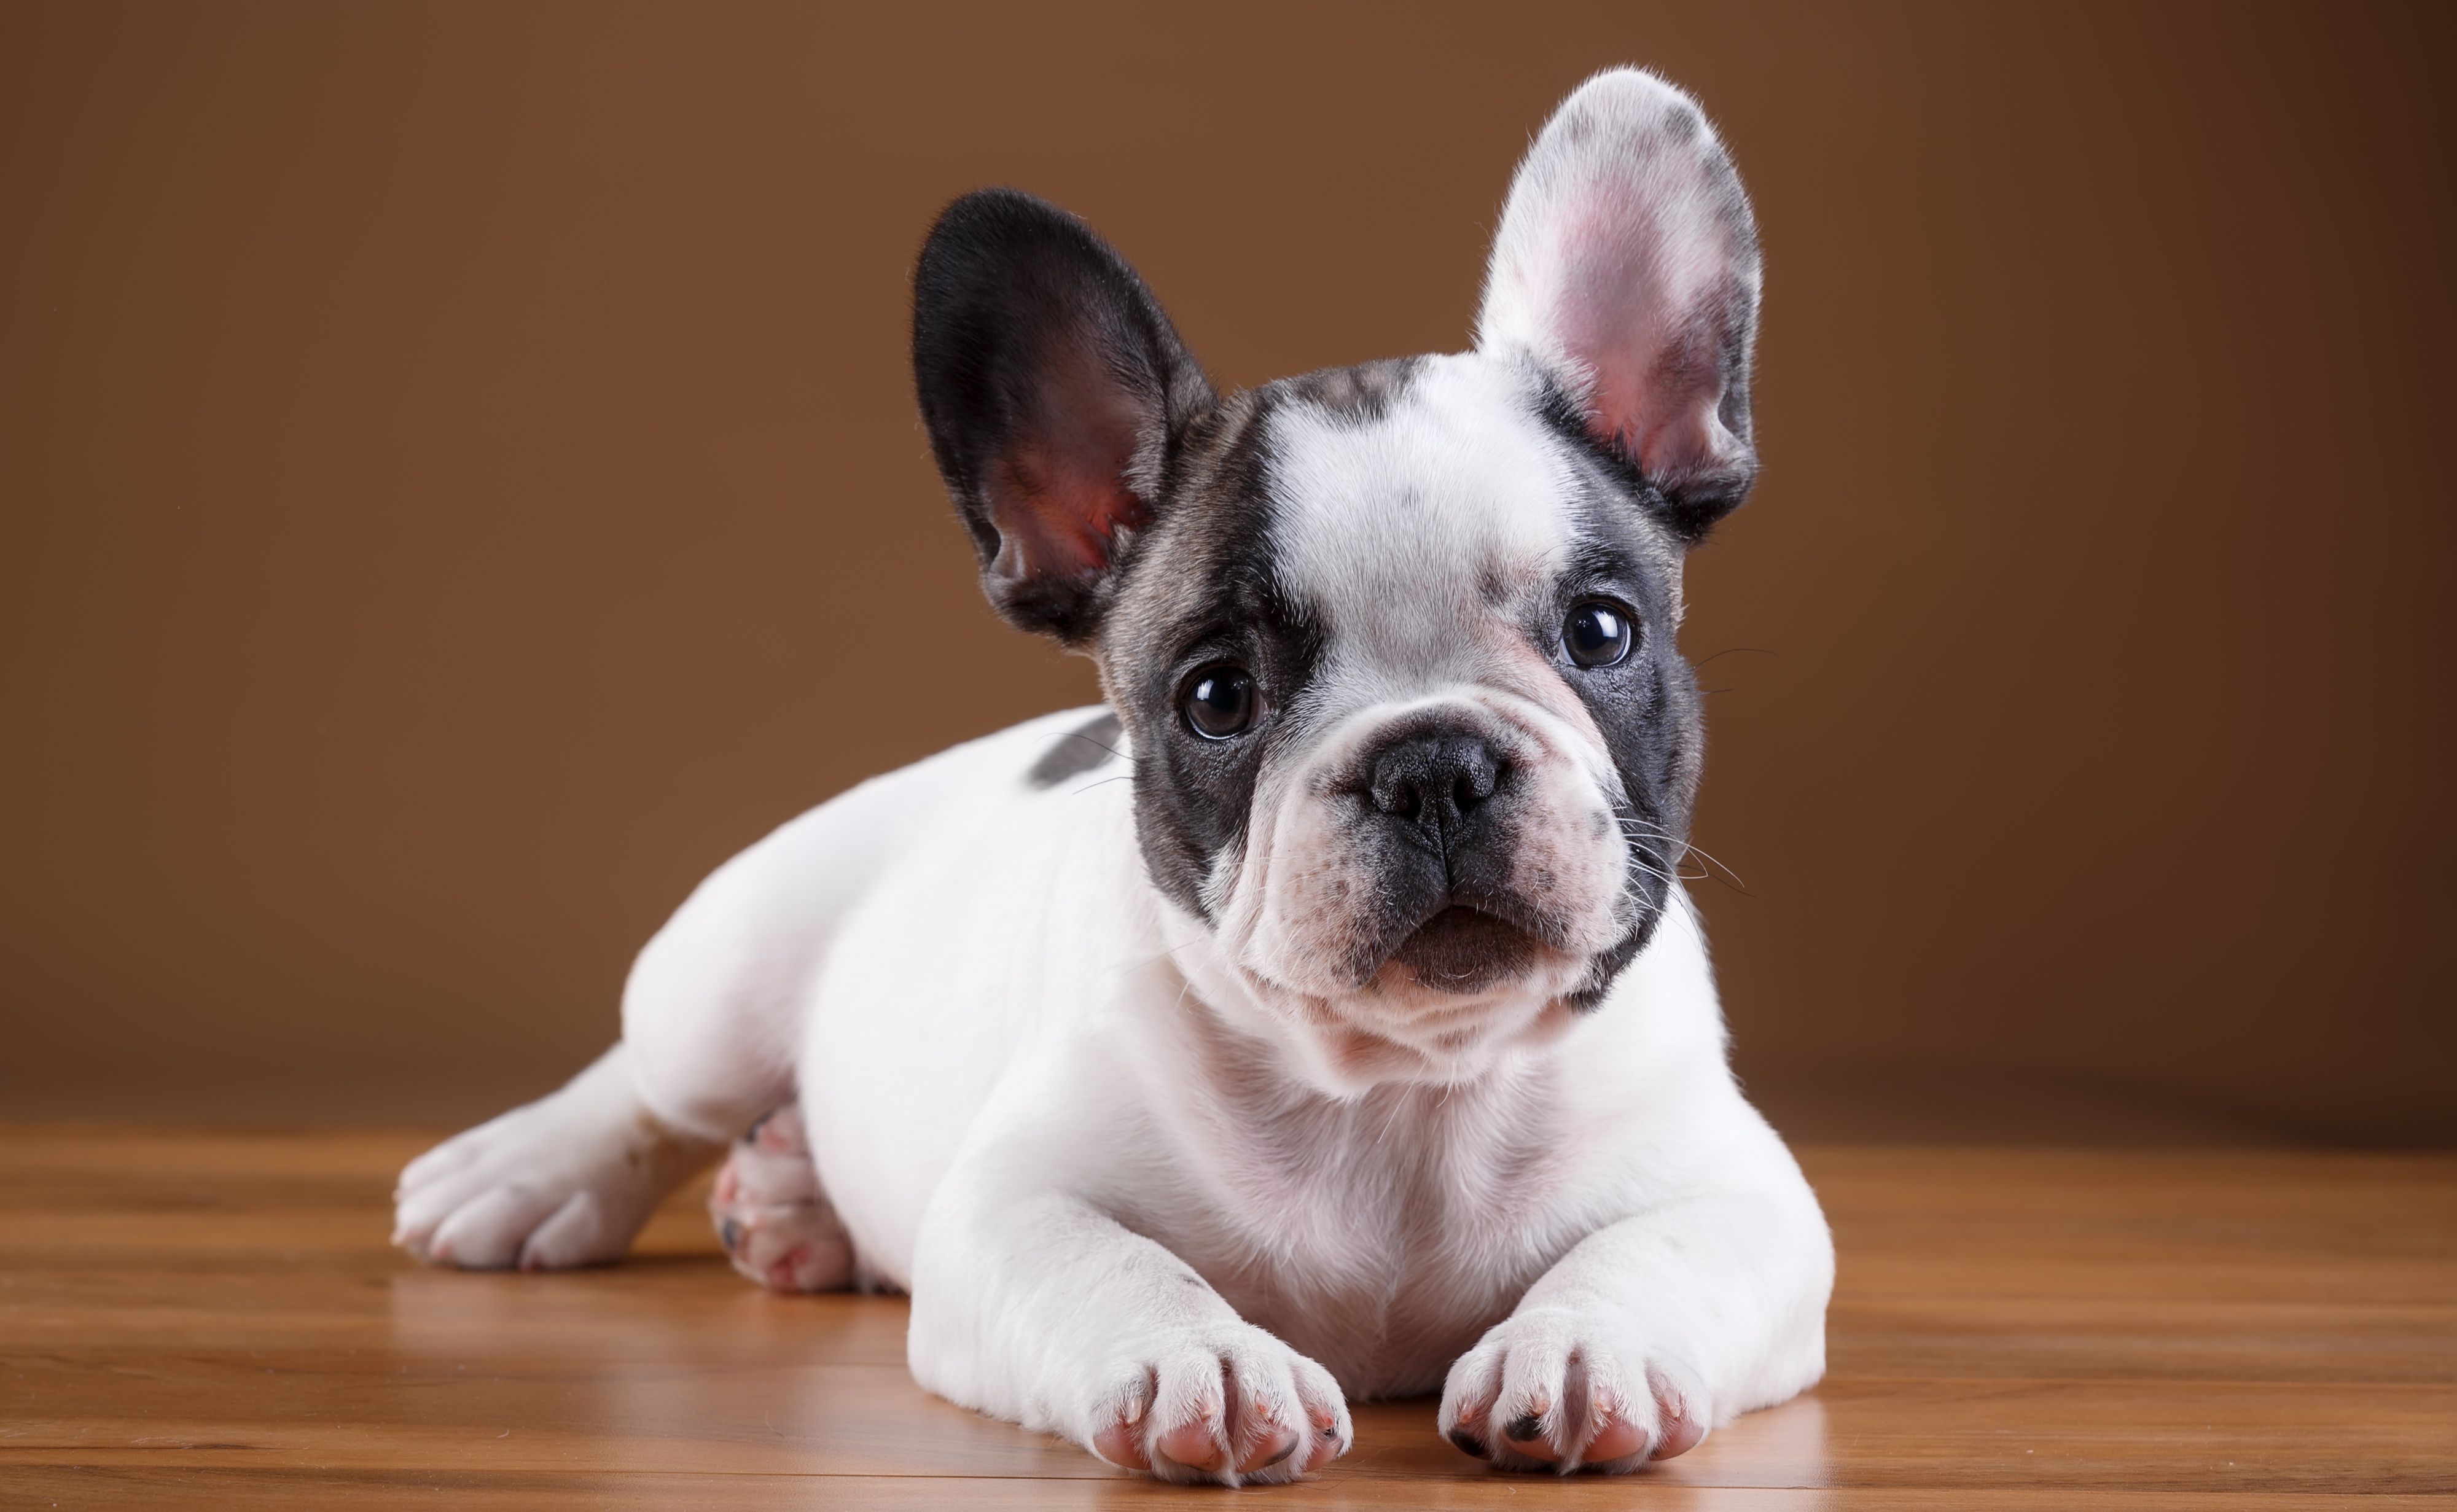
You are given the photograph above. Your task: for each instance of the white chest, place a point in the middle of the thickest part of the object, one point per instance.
(1379, 1237)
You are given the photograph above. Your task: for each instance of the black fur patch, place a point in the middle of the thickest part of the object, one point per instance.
(1646, 706)
(1078, 751)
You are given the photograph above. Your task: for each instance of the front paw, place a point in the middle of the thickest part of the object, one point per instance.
(1230, 1405)
(1552, 1390)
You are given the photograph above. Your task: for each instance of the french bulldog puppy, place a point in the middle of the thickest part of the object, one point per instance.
(1320, 1019)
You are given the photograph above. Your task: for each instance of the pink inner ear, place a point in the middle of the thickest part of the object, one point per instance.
(1056, 516)
(1058, 496)
(1642, 269)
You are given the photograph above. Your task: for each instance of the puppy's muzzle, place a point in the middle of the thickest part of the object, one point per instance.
(1434, 820)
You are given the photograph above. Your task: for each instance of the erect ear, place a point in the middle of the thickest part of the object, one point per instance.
(1051, 383)
(1628, 266)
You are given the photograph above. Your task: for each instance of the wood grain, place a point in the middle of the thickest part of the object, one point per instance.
(212, 1319)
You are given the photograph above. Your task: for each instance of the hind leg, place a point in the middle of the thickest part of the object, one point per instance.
(771, 1214)
(566, 1180)
(711, 1019)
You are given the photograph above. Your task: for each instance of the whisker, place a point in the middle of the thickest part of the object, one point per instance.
(1640, 830)
(1663, 875)
(1164, 953)
(1735, 651)
(1103, 744)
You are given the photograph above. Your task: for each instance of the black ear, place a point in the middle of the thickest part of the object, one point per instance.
(1052, 384)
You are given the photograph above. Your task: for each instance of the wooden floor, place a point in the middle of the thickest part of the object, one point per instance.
(212, 1321)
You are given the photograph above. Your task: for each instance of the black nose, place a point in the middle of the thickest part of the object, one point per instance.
(1435, 779)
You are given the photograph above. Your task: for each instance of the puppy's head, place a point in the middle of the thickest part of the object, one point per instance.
(1393, 644)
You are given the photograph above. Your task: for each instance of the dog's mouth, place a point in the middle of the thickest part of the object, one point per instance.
(1465, 950)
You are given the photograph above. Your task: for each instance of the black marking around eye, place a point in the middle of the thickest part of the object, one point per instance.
(1647, 706)
(1205, 585)
(1078, 751)
(1206, 590)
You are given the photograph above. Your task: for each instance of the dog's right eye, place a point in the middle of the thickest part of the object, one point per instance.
(1598, 633)
(1219, 702)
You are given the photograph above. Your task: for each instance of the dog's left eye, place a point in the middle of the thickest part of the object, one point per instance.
(1598, 633)
(1219, 702)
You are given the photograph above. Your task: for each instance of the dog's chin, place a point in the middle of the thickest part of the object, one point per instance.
(1463, 952)
(1460, 990)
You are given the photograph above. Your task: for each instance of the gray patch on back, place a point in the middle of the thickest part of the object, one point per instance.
(1078, 751)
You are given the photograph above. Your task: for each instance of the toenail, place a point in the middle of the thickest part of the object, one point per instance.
(729, 1233)
(1527, 1429)
(1469, 1444)
(1287, 1449)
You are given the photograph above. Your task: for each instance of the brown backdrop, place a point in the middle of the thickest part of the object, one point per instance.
(461, 485)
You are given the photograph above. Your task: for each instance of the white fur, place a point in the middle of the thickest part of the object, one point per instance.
(1034, 1119)
(1156, 1184)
